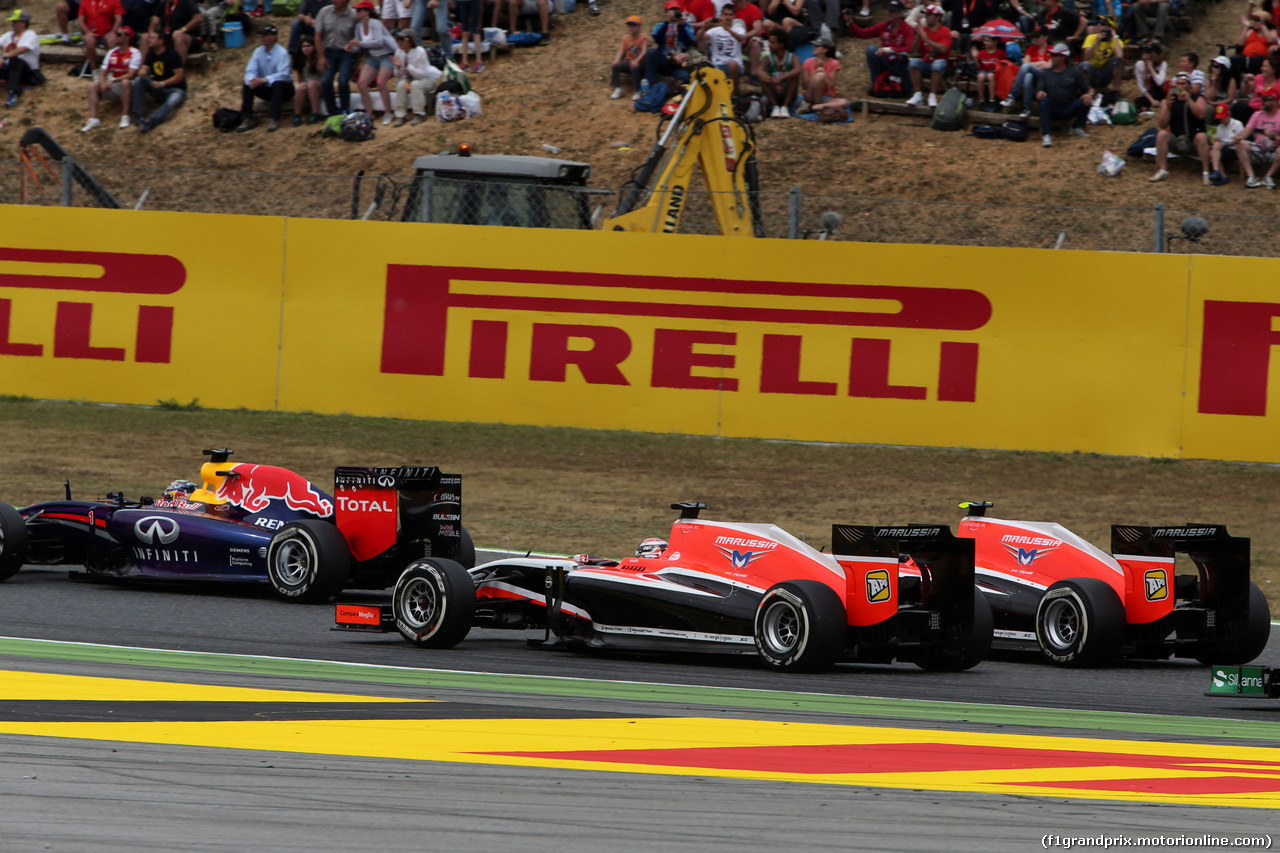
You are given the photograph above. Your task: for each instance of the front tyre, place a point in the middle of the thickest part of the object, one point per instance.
(308, 561)
(800, 626)
(1244, 636)
(1080, 622)
(434, 603)
(13, 541)
(967, 643)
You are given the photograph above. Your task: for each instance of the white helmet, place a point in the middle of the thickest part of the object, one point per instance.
(651, 547)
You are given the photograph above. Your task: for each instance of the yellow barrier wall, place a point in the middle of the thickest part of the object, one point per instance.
(1161, 355)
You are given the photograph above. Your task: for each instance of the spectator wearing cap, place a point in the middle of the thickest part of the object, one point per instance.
(1143, 11)
(1263, 134)
(19, 55)
(672, 39)
(268, 76)
(723, 45)
(779, 74)
(1035, 60)
(1220, 88)
(378, 47)
(891, 54)
(1182, 127)
(818, 80)
(933, 44)
(1063, 92)
(1229, 143)
(415, 78)
(1103, 64)
(97, 18)
(115, 83)
(630, 58)
(336, 44)
(472, 31)
(1151, 73)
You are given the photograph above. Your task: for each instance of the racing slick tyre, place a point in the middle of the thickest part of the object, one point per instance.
(434, 603)
(1244, 636)
(800, 626)
(967, 643)
(467, 553)
(308, 561)
(13, 541)
(1080, 622)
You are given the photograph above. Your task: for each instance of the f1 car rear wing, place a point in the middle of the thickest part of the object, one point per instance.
(946, 564)
(381, 507)
(1222, 560)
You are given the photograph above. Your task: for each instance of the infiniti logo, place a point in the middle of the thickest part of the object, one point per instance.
(156, 529)
(386, 481)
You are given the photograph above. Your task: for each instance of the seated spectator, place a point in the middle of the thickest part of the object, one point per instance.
(933, 48)
(818, 74)
(750, 16)
(306, 84)
(1187, 64)
(19, 55)
(723, 44)
(1229, 143)
(1268, 77)
(1142, 11)
(833, 110)
(891, 54)
(115, 83)
(965, 16)
(335, 38)
(1152, 76)
(1257, 39)
(699, 14)
(472, 31)
(212, 14)
(517, 7)
(1035, 60)
(180, 20)
(267, 76)
(415, 79)
(630, 58)
(1103, 64)
(161, 78)
(1025, 17)
(378, 47)
(1063, 93)
(672, 40)
(1263, 134)
(1063, 24)
(779, 75)
(987, 59)
(1182, 127)
(97, 18)
(304, 27)
(253, 10)
(784, 15)
(1220, 88)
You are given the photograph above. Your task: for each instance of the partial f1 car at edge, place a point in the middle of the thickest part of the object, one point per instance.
(252, 523)
(717, 587)
(1052, 590)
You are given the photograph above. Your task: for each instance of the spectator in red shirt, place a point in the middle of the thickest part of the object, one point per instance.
(97, 18)
(753, 19)
(987, 58)
(891, 54)
(116, 80)
(700, 14)
(933, 42)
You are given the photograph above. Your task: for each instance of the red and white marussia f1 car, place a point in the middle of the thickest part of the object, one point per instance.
(718, 587)
(1052, 590)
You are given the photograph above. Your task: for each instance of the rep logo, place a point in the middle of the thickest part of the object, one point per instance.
(156, 530)
(878, 586)
(1157, 584)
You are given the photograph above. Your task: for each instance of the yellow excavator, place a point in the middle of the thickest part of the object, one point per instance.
(702, 131)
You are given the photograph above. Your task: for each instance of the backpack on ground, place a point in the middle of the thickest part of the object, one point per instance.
(332, 127)
(1143, 142)
(357, 127)
(752, 108)
(225, 119)
(988, 131)
(652, 100)
(1124, 112)
(1015, 130)
(887, 85)
(949, 114)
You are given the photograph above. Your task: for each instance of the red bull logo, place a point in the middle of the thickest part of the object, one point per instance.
(254, 487)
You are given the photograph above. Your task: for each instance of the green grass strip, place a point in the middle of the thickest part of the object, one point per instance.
(677, 694)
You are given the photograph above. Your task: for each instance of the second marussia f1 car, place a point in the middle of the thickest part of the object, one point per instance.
(717, 587)
(252, 523)
(1052, 590)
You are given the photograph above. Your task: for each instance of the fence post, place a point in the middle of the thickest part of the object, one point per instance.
(793, 220)
(67, 182)
(1159, 222)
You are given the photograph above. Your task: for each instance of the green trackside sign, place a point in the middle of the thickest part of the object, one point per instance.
(1240, 681)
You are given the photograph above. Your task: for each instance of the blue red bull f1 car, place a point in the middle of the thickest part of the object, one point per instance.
(248, 522)
(717, 587)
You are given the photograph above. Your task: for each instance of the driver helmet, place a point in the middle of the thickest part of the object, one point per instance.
(651, 548)
(179, 489)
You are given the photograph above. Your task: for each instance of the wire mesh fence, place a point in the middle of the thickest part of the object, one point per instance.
(790, 214)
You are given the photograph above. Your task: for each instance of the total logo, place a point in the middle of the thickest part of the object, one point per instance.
(363, 505)
(156, 530)
(1157, 584)
(878, 586)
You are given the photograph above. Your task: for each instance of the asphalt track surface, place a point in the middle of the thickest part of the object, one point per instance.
(66, 794)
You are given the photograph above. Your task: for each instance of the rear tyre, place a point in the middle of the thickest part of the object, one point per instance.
(467, 551)
(308, 561)
(1244, 637)
(434, 603)
(13, 541)
(967, 643)
(1080, 622)
(800, 626)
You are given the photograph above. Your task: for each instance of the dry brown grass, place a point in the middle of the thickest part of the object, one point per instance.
(570, 491)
